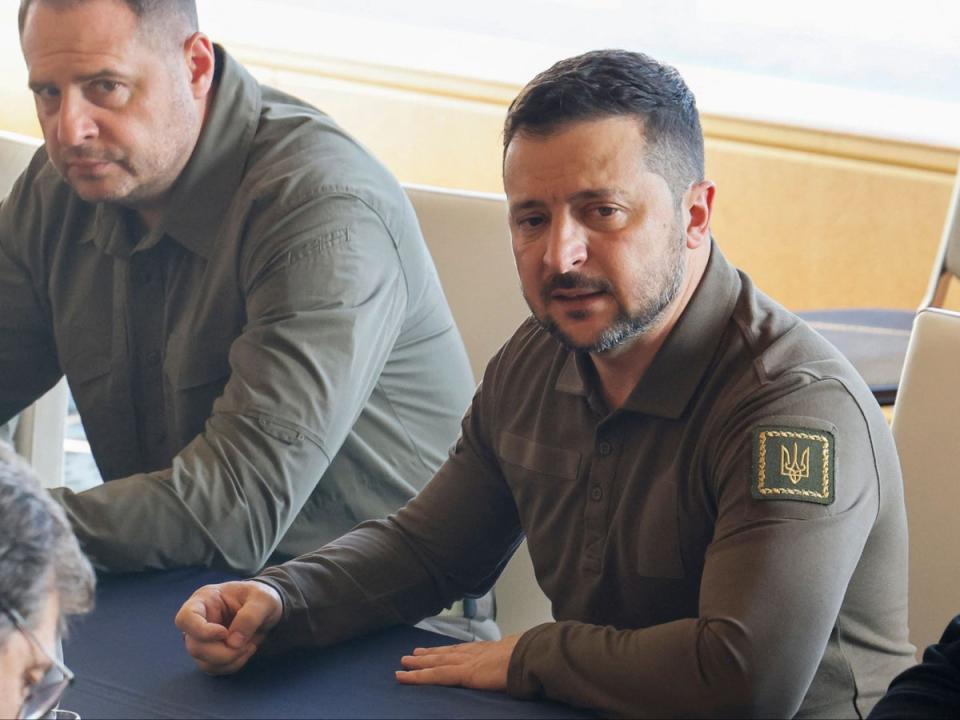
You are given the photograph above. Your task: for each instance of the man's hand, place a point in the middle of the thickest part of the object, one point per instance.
(477, 665)
(223, 625)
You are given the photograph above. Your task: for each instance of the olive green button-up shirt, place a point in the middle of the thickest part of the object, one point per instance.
(274, 364)
(681, 586)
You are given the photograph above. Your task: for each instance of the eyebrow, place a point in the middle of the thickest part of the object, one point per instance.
(579, 196)
(98, 75)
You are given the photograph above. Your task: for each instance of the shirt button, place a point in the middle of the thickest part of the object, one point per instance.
(596, 493)
(153, 357)
(605, 448)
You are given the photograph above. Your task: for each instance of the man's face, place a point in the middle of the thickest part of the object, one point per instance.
(117, 113)
(597, 237)
(22, 664)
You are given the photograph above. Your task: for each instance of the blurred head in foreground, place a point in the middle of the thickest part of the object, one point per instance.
(44, 577)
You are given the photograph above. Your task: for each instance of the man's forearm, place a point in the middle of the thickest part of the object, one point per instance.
(686, 668)
(213, 507)
(367, 580)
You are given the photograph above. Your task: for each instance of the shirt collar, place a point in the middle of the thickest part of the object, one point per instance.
(669, 383)
(202, 194)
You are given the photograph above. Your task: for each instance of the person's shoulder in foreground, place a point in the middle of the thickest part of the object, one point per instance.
(710, 496)
(239, 294)
(930, 689)
(43, 578)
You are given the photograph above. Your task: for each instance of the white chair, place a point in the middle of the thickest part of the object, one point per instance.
(469, 240)
(40, 428)
(15, 153)
(926, 427)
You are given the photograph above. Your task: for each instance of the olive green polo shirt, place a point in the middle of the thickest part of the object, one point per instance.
(274, 364)
(730, 542)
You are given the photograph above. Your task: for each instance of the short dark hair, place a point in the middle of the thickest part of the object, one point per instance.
(610, 83)
(39, 553)
(147, 11)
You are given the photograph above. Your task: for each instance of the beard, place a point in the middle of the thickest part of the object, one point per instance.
(625, 325)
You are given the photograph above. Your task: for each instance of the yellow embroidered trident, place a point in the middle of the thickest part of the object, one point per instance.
(796, 468)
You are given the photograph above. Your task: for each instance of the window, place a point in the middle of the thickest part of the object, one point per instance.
(841, 65)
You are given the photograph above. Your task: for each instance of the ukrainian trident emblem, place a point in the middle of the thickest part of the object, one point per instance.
(795, 468)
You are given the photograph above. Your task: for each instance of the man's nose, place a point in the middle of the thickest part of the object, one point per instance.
(566, 245)
(75, 122)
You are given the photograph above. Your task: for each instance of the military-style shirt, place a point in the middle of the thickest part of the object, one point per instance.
(731, 541)
(271, 366)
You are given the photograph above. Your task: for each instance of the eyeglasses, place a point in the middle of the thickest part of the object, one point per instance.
(43, 696)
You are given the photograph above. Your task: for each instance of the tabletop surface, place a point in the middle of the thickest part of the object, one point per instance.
(130, 662)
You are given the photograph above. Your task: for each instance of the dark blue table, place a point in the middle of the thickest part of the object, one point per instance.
(130, 663)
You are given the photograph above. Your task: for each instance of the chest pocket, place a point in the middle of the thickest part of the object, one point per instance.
(88, 373)
(196, 370)
(537, 458)
(542, 480)
(86, 365)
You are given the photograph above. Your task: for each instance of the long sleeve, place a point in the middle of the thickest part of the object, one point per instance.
(269, 365)
(774, 578)
(451, 540)
(28, 357)
(324, 303)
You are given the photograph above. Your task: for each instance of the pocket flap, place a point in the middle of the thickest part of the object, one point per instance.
(86, 365)
(544, 459)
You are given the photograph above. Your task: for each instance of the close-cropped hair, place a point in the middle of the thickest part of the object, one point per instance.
(614, 83)
(39, 553)
(150, 13)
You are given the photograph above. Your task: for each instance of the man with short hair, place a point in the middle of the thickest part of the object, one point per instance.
(238, 293)
(710, 495)
(43, 578)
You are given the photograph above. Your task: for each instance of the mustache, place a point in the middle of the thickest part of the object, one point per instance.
(87, 155)
(574, 281)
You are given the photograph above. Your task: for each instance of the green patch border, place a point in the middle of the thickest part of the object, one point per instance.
(758, 487)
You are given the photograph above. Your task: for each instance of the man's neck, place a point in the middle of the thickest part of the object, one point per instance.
(621, 369)
(150, 217)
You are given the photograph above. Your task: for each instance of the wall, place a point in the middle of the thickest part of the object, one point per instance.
(818, 219)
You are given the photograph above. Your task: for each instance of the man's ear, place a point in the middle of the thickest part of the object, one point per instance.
(201, 63)
(698, 208)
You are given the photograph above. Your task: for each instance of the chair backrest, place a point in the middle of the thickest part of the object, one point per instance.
(947, 263)
(40, 430)
(15, 153)
(469, 239)
(926, 427)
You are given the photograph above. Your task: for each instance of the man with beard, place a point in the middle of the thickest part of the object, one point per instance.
(710, 494)
(238, 293)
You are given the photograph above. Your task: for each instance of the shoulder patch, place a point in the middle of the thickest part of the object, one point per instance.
(793, 463)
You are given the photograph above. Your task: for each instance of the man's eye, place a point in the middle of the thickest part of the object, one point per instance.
(531, 222)
(106, 86)
(606, 211)
(47, 93)
(107, 93)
